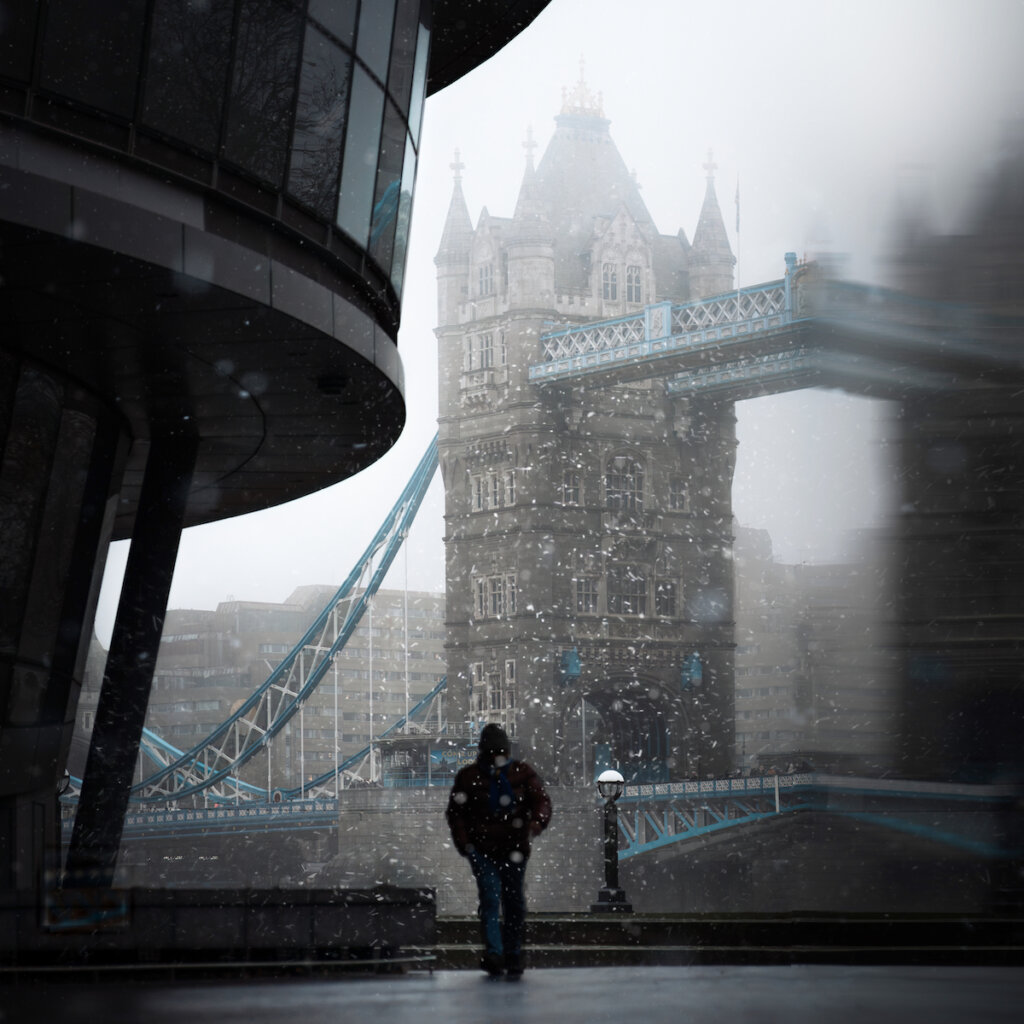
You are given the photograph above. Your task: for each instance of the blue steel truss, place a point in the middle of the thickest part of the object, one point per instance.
(662, 330)
(311, 802)
(802, 330)
(657, 816)
(212, 765)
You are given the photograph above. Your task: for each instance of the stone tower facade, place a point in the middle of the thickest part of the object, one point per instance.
(588, 530)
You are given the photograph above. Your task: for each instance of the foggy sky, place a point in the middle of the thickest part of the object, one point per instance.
(818, 111)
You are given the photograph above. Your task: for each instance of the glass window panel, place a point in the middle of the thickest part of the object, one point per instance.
(17, 38)
(186, 79)
(337, 16)
(91, 52)
(404, 218)
(263, 87)
(403, 52)
(319, 123)
(373, 44)
(389, 186)
(359, 169)
(419, 83)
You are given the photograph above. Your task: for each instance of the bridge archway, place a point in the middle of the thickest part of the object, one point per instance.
(630, 724)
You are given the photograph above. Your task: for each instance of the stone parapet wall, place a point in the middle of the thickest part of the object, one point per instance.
(400, 837)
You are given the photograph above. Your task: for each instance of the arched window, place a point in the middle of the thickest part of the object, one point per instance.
(609, 281)
(485, 279)
(634, 285)
(624, 484)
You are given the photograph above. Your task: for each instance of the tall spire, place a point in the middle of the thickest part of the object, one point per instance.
(529, 145)
(711, 238)
(530, 217)
(458, 228)
(711, 255)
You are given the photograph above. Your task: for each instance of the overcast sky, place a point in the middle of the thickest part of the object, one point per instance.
(819, 110)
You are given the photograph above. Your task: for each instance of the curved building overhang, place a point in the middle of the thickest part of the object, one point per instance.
(466, 33)
(182, 319)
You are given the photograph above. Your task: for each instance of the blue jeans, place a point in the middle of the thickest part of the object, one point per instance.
(500, 886)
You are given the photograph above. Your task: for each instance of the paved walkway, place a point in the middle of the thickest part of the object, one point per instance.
(618, 995)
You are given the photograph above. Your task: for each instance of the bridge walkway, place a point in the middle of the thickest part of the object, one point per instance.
(805, 994)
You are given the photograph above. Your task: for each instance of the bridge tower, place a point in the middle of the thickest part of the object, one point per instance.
(588, 530)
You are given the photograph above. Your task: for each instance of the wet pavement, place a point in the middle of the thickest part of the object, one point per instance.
(624, 995)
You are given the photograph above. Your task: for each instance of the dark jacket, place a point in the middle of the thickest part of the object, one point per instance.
(479, 822)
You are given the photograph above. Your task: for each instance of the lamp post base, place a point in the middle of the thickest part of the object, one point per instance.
(611, 901)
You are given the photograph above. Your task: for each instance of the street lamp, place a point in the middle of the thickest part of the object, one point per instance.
(611, 899)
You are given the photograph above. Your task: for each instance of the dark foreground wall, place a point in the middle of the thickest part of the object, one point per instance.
(153, 925)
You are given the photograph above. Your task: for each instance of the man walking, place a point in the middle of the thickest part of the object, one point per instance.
(495, 808)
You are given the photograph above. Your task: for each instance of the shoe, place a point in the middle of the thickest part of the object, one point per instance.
(514, 965)
(491, 963)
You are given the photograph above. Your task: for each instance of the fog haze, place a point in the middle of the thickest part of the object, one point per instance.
(819, 114)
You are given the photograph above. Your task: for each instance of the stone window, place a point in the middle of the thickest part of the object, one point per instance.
(485, 351)
(610, 281)
(665, 599)
(627, 590)
(569, 492)
(485, 278)
(586, 595)
(624, 484)
(492, 490)
(677, 494)
(634, 286)
(494, 596)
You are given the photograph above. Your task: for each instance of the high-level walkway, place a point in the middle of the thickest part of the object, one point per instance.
(799, 994)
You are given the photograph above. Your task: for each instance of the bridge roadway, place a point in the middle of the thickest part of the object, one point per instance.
(802, 331)
(791, 994)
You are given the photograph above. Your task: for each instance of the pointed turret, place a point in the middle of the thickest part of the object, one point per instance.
(458, 228)
(711, 258)
(530, 212)
(452, 259)
(530, 249)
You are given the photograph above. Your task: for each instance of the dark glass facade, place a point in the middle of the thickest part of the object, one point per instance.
(314, 106)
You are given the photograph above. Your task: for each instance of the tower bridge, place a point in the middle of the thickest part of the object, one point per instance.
(589, 367)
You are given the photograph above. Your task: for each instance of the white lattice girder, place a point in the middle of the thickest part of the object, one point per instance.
(626, 340)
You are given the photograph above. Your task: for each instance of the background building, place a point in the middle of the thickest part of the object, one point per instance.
(212, 661)
(816, 665)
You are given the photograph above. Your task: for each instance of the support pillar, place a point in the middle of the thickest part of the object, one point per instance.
(121, 711)
(61, 459)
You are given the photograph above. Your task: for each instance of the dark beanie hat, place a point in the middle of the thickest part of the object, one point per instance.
(494, 739)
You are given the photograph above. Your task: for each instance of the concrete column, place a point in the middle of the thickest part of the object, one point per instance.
(121, 712)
